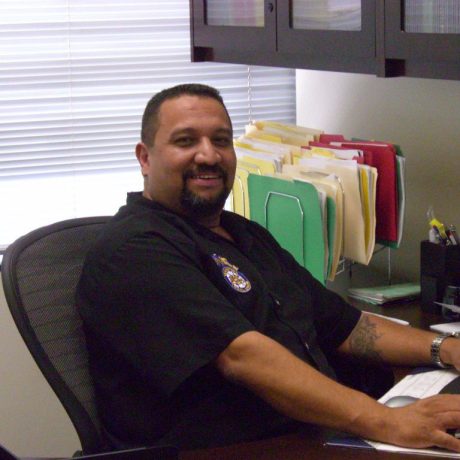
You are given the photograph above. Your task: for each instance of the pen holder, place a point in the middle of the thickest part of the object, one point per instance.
(439, 268)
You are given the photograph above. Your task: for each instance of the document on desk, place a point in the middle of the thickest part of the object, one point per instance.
(419, 385)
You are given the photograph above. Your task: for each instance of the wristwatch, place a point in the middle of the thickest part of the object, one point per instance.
(436, 348)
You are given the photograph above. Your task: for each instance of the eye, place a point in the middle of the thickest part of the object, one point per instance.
(222, 141)
(184, 141)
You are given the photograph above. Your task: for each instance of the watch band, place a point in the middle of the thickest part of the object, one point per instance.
(436, 349)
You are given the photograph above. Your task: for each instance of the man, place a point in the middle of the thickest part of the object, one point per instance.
(202, 331)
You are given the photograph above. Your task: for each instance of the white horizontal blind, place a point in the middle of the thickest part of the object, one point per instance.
(75, 76)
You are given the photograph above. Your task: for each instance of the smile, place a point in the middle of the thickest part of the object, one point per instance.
(207, 176)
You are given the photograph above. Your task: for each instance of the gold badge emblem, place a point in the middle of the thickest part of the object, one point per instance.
(232, 275)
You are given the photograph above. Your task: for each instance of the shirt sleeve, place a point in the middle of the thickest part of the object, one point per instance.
(156, 307)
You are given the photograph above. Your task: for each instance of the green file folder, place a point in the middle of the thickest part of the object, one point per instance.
(291, 212)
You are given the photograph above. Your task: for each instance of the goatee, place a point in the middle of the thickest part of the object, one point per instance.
(198, 206)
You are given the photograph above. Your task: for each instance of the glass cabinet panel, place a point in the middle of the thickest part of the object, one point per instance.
(238, 13)
(432, 16)
(326, 14)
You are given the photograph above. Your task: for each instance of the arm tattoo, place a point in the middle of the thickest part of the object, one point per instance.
(363, 340)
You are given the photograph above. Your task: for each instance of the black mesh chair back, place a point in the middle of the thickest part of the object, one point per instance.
(40, 272)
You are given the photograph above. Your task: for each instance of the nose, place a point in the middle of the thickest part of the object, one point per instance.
(207, 153)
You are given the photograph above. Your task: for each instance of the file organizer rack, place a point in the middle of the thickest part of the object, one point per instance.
(348, 264)
(376, 155)
(344, 263)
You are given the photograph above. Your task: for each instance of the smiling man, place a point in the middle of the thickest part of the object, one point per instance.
(187, 157)
(202, 331)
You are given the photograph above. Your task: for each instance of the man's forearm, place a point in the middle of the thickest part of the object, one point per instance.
(378, 339)
(295, 388)
(299, 391)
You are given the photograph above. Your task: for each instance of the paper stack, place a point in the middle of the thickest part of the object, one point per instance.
(388, 293)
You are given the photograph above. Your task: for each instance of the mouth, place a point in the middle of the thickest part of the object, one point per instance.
(205, 178)
(206, 181)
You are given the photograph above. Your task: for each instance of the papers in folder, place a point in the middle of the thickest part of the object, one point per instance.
(389, 161)
(356, 209)
(359, 189)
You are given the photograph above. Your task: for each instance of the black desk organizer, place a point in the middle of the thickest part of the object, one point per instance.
(439, 267)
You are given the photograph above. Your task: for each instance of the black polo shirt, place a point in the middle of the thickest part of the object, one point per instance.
(161, 297)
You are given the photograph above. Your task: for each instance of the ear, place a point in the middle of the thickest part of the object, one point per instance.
(142, 155)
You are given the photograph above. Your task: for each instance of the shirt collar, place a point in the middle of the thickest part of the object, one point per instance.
(236, 225)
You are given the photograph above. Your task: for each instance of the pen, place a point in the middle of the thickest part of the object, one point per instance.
(391, 318)
(439, 237)
(452, 234)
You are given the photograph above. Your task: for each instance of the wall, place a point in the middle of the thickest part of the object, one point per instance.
(32, 420)
(421, 115)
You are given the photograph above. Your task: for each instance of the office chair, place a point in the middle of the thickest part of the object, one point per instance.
(40, 272)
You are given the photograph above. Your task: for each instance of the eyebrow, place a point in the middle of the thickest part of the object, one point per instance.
(227, 131)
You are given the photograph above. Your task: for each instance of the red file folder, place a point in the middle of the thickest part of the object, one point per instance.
(383, 157)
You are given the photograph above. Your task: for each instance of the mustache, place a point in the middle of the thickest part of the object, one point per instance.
(216, 169)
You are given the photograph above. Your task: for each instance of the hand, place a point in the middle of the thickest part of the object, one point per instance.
(424, 423)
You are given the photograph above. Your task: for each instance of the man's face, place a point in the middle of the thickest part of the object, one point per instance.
(191, 166)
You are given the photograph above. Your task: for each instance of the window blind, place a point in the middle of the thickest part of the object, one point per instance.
(75, 76)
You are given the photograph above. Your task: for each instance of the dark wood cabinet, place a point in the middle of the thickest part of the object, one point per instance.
(334, 48)
(233, 43)
(422, 38)
(277, 42)
(417, 38)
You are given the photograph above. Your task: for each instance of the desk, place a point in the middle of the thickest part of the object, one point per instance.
(310, 444)
(299, 446)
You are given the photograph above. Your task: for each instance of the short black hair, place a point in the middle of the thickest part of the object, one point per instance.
(152, 109)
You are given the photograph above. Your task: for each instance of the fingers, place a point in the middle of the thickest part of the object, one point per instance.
(425, 422)
(444, 411)
(446, 441)
(441, 404)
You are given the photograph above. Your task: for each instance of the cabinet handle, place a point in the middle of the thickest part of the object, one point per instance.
(270, 7)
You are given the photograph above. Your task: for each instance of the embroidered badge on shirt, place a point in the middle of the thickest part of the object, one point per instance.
(232, 275)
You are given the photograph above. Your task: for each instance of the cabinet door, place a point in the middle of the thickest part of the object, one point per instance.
(241, 31)
(424, 35)
(328, 35)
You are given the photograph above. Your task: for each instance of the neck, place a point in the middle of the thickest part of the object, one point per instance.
(213, 224)
(219, 230)
(210, 222)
